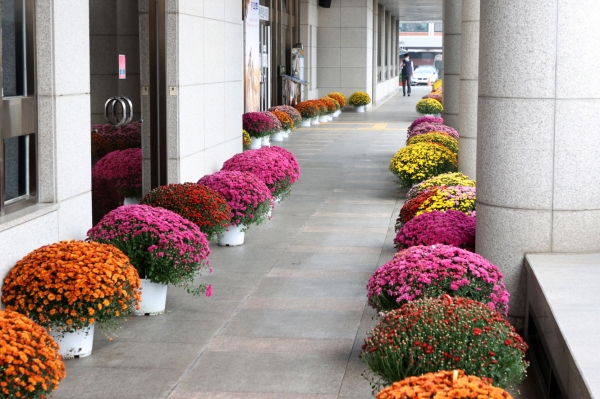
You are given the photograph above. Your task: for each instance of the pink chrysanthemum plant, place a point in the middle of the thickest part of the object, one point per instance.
(430, 271)
(449, 228)
(163, 246)
(269, 166)
(123, 169)
(257, 124)
(247, 195)
(432, 127)
(294, 169)
(425, 119)
(276, 122)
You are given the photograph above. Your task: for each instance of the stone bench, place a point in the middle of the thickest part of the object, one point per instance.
(562, 323)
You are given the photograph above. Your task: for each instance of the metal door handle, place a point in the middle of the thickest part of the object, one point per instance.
(111, 106)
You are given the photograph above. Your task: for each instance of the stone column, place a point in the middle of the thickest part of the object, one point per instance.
(452, 32)
(469, 72)
(537, 157)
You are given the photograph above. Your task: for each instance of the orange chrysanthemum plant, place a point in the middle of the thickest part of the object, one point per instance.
(330, 105)
(444, 385)
(286, 122)
(30, 366)
(307, 109)
(71, 285)
(321, 107)
(339, 97)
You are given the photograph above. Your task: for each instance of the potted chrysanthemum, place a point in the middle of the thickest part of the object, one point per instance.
(199, 204)
(248, 197)
(30, 366)
(292, 113)
(308, 110)
(429, 106)
(266, 140)
(330, 108)
(70, 286)
(287, 124)
(164, 247)
(341, 99)
(258, 125)
(359, 100)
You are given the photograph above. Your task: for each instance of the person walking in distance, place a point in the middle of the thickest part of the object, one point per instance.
(407, 73)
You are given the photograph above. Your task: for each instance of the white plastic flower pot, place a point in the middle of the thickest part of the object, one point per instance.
(360, 108)
(330, 117)
(131, 201)
(256, 143)
(233, 236)
(305, 122)
(337, 113)
(314, 121)
(154, 299)
(76, 344)
(266, 141)
(277, 136)
(286, 133)
(323, 118)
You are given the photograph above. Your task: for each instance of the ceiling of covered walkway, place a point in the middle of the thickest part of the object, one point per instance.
(415, 10)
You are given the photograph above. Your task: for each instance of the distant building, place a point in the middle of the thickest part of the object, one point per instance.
(422, 40)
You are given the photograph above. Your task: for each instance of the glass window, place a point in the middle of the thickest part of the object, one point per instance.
(18, 127)
(415, 27)
(438, 27)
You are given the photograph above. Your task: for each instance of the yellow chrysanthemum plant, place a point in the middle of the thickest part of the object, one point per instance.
(437, 85)
(429, 106)
(457, 198)
(359, 99)
(436, 137)
(246, 139)
(445, 179)
(420, 161)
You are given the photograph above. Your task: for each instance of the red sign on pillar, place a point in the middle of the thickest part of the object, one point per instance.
(122, 68)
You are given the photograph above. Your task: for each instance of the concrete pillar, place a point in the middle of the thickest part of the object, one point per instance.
(452, 32)
(309, 20)
(537, 157)
(469, 73)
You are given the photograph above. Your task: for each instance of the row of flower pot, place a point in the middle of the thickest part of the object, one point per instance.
(442, 306)
(62, 291)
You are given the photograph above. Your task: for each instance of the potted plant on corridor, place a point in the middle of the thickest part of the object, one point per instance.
(246, 140)
(331, 108)
(437, 334)
(341, 99)
(292, 113)
(276, 135)
(322, 111)
(287, 124)
(430, 271)
(164, 247)
(248, 197)
(429, 106)
(30, 366)
(309, 111)
(425, 128)
(359, 100)
(258, 125)
(70, 286)
(338, 107)
(442, 139)
(124, 169)
(420, 161)
(445, 179)
(199, 204)
(425, 119)
(444, 385)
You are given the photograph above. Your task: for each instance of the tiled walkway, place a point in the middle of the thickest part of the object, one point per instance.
(289, 313)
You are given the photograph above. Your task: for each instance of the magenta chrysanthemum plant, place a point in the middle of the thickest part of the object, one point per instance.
(124, 169)
(431, 271)
(294, 170)
(432, 127)
(258, 124)
(274, 119)
(291, 111)
(163, 246)
(248, 196)
(449, 228)
(269, 166)
(425, 119)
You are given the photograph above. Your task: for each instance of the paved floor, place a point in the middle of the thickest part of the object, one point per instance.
(288, 314)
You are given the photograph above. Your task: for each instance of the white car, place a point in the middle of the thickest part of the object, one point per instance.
(423, 74)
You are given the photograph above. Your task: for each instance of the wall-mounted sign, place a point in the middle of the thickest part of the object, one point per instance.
(122, 68)
(263, 13)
